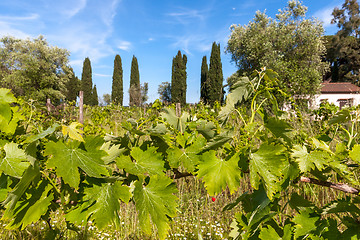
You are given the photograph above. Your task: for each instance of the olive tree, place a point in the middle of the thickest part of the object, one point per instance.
(34, 69)
(289, 44)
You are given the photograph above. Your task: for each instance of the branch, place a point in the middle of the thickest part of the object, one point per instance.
(178, 174)
(338, 186)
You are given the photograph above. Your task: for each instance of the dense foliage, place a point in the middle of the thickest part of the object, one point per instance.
(215, 77)
(178, 79)
(117, 82)
(72, 87)
(164, 91)
(134, 90)
(95, 97)
(86, 82)
(33, 69)
(343, 48)
(203, 80)
(86, 177)
(290, 44)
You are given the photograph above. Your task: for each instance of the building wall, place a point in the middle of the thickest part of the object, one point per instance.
(334, 98)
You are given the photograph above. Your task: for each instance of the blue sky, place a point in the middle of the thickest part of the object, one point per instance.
(153, 31)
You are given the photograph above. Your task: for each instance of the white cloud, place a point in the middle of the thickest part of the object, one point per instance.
(190, 42)
(325, 15)
(79, 5)
(32, 16)
(187, 16)
(14, 25)
(7, 30)
(124, 45)
(108, 13)
(102, 75)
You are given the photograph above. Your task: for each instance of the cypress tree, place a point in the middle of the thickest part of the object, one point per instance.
(134, 91)
(72, 87)
(203, 80)
(215, 86)
(95, 98)
(117, 83)
(178, 79)
(86, 82)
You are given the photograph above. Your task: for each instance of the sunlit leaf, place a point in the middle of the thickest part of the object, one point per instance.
(267, 164)
(156, 201)
(73, 131)
(66, 158)
(148, 161)
(219, 173)
(15, 162)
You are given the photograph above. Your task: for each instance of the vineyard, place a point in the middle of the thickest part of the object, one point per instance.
(244, 170)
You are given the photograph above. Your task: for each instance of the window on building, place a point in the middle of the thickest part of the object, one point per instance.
(346, 102)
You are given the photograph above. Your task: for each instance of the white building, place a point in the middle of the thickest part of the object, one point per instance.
(341, 94)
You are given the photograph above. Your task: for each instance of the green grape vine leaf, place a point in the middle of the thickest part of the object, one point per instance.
(308, 161)
(15, 162)
(187, 156)
(280, 128)
(355, 153)
(306, 222)
(267, 163)
(269, 232)
(239, 91)
(155, 201)
(340, 117)
(113, 152)
(68, 157)
(177, 122)
(73, 131)
(4, 186)
(218, 173)
(42, 134)
(101, 204)
(30, 210)
(31, 173)
(148, 161)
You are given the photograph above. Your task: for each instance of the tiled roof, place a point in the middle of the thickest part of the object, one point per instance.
(340, 87)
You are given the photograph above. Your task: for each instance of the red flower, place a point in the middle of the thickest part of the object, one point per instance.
(213, 199)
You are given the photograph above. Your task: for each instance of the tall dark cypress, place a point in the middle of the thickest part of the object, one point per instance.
(86, 82)
(72, 87)
(117, 83)
(215, 86)
(203, 80)
(95, 97)
(178, 79)
(134, 91)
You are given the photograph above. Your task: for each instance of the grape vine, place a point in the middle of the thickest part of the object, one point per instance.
(86, 177)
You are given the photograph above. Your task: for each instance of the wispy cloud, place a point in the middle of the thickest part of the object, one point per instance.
(7, 30)
(32, 16)
(325, 15)
(77, 6)
(102, 75)
(124, 45)
(187, 16)
(190, 43)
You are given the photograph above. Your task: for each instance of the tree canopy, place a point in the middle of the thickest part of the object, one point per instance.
(135, 91)
(117, 82)
(290, 44)
(215, 76)
(178, 79)
(86, 82)
(343, 48)
(164, 91)
(34, 69)
(203, 80)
